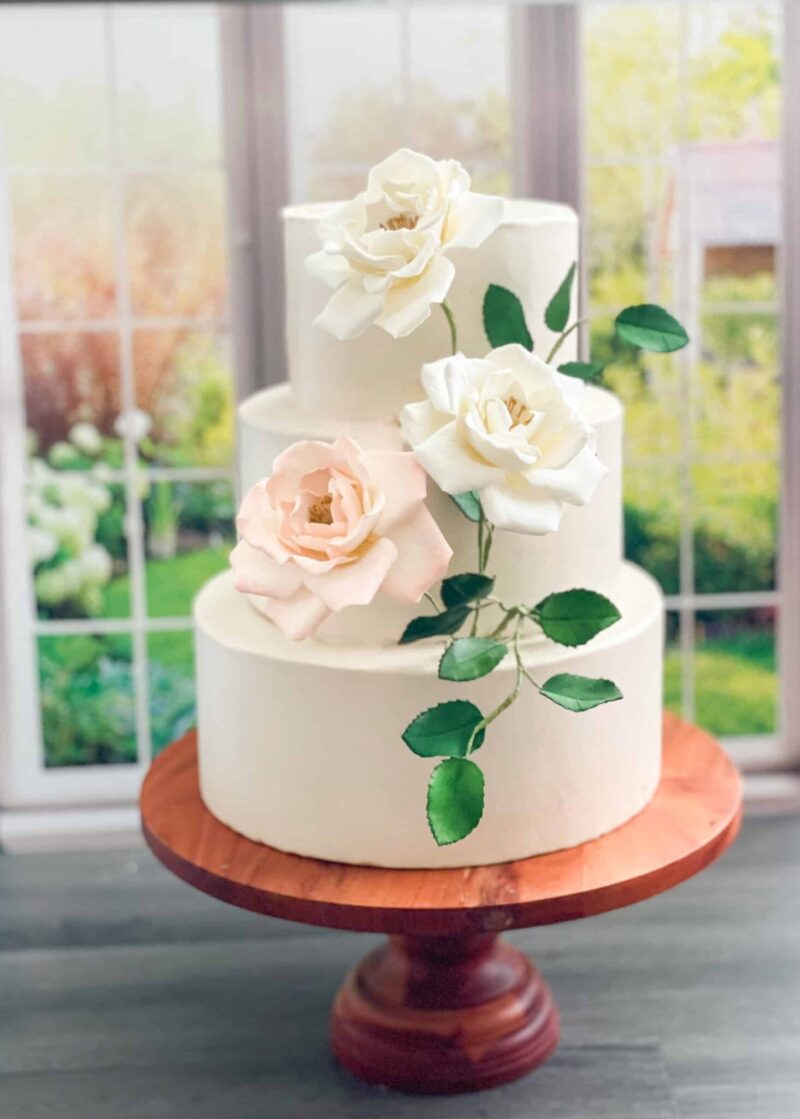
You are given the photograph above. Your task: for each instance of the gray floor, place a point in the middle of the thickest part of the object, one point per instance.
(123, 993)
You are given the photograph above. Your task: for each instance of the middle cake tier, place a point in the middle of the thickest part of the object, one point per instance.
(585, 552)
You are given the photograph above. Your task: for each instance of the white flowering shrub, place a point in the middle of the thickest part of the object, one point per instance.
(66, 500)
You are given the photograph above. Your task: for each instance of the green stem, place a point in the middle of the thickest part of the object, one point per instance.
(559, 342)
(433, 602)
(451, 322)
(512, 695)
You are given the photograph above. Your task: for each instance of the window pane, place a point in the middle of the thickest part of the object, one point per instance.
(72, 379)
(53, 92)
(737, 389)
(735, 526)
(619, 234)
(462, 110)
(171, 686)
(673, 681)
(652, 521)
(632, 55)
(184, 382)
(64, 246)
(734, 70)
(87, 700)
(167, 69)
(189, 537)
(176, 244)
(735, 678)
(345, 106)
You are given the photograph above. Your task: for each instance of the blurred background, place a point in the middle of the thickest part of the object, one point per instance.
(144, 151)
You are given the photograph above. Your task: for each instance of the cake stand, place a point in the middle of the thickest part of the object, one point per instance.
(446, 1005)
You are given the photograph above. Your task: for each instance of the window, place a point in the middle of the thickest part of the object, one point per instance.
(683, 206)
(115, 178)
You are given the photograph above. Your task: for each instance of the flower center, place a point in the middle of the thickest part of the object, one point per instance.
(401, 221)
(320, 511)
(520, 413)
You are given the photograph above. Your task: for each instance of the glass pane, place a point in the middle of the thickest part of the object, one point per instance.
(673, 674)
(619, 236)
(53, 93)
(652, 521)
(631, 59)
(77, 545)
(735, 526)
(167, 70)
(189, 537)
(73, 379)
(461, 110)
(734, 70)
(737, 389)
(87, 700)
(736, 684)
(176, 244)
(64, 254)
(171, 686)
(184, 383)
(342, 117)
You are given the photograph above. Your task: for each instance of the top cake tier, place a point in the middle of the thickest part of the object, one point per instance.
(374, 375)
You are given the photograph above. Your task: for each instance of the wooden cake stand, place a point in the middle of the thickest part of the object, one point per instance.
(446, 1005)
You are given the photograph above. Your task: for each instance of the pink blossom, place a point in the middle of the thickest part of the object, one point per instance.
(334, 525)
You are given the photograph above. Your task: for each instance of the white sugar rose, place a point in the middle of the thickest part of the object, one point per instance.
(334, 525)
(385, 252)
(509, 426)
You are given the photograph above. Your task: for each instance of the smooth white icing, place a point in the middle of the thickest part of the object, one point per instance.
(585, 552)
(300, 743)
(374, 375)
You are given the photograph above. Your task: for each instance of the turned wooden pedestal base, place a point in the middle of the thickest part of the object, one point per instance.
(446, 1005)
(444, 1014)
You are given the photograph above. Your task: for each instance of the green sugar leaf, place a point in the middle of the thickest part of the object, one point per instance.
(574, 617)
(651, 328)
(465, 588)
(434, 625)
(579, 693)
(504, 318)
(444, 731)
(556, 316)
(455, 800)
(469, 503)
(468, 658)
(589, 371)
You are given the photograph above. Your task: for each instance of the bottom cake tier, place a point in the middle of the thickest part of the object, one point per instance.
(300, 743)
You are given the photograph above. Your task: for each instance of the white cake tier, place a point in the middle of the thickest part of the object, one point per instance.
(585, 552)
(300, 743)
(374, 375)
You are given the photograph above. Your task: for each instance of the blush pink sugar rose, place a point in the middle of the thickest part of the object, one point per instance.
(334, 525)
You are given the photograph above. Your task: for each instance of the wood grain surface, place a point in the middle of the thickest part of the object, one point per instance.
(693, 817)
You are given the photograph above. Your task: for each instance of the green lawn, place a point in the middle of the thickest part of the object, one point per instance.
(171, 583)
(736, 685)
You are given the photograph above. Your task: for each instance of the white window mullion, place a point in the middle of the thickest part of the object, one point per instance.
(134, 522)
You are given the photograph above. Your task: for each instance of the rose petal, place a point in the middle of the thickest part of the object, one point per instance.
(419, 421)
(256, 573)
(423, 556)
(349, 311)
(448, 380)
(451, 463)
(474, 218)
(576, 482)
(402, 166)
(408, 305)
(256, 520)
(332, 268)
(521, 509)
(355, 583)
(402, 481)
(298, 617)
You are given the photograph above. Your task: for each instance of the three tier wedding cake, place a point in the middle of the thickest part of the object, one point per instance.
(429, 651)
